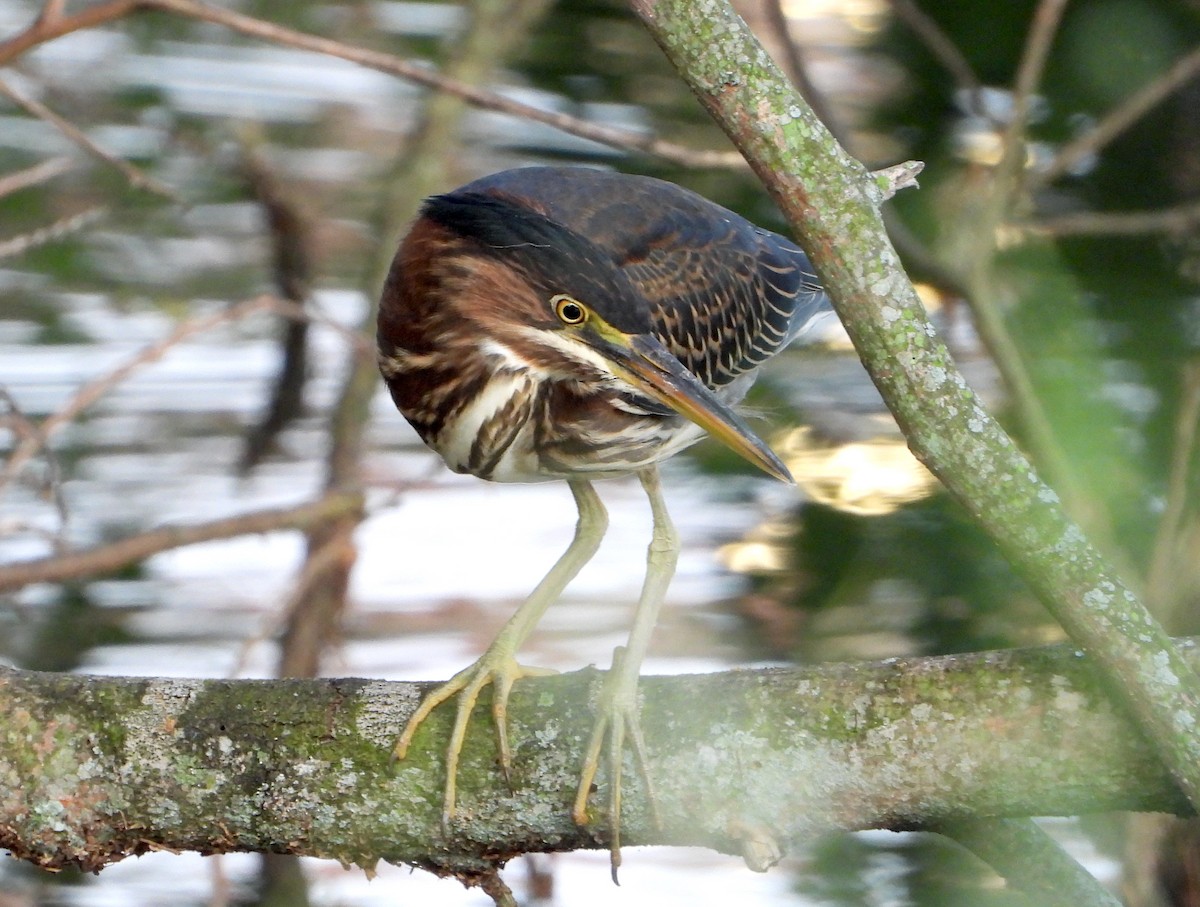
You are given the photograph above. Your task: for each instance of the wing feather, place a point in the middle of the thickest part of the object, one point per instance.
(724, 295)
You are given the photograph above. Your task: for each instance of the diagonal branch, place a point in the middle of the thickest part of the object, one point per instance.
(39, 173)
(50, 484)
(132, 174)
(1046, 19)
(51, 24)
(92, 391)
(944, 50)
(52, 232)
(833, 205)
(1120, 118)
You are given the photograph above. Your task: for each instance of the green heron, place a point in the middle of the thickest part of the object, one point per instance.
(569, 323)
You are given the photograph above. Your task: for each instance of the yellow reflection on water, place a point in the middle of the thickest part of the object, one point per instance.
(764, 550)
(866, 477)
(862, 15)
(869, 478)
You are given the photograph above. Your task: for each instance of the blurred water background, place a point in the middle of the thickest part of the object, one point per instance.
(865, 559)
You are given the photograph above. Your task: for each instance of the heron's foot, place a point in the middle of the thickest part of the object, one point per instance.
(496, 666)
(617, 720)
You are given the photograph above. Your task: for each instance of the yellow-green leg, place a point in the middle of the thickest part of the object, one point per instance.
(618, 712)
(498, 665)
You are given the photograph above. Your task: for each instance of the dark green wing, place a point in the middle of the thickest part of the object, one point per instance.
(724, 295)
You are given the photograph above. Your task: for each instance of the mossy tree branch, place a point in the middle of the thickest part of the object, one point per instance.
(93, 769)
(833, 204)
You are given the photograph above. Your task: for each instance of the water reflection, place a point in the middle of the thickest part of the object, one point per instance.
(869, 477)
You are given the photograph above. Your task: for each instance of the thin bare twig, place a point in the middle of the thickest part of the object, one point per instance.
(15, 421)
(107, 558)
(1006, 195)
(39, 33)
(420, 75)
(944, 50)
(1042, 31)
(1174, 220)
(221, 890)
(52, 11)
(39, 173)
(98, 387)
(73, 223)
(51, 484)
(1164, 568)
(52, 24)
(1120, 118)
(134, 175)
(496, 889)
(290, 229)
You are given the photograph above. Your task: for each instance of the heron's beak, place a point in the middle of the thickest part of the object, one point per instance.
(644, 362)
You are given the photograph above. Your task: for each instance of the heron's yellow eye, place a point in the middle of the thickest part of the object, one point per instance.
(569, 310)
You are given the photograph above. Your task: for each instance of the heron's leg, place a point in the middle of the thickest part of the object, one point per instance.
(618, 707)
(498, 665)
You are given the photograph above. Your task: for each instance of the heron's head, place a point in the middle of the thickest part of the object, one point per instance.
(526, 288)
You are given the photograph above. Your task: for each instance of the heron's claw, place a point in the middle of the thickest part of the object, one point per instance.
(497, 667)
(618, 718)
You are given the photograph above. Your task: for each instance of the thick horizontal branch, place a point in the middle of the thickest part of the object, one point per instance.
(93, 769)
